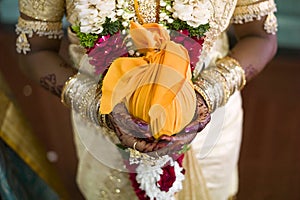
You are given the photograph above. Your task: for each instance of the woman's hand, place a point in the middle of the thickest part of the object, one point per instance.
(135, 133)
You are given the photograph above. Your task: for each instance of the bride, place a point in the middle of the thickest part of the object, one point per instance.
(143, 142)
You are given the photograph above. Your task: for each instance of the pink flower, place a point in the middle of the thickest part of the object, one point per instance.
(192, 44)
(105, 51)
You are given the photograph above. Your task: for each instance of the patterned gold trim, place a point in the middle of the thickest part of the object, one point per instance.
(248, 13)
(222, 13)
(26, 28)
(43, 10)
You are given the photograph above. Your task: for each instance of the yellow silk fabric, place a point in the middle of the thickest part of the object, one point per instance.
(155, 87)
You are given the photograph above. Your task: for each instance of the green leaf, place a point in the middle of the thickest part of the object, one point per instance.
(86, 39)
(184, 149)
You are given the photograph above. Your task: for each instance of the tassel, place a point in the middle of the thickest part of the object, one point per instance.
(22, 43)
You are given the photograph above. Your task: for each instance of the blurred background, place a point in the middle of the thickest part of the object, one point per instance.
(270, 159)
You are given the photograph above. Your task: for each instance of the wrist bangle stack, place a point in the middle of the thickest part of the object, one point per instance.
(217, 84)
(235, 69)
(80, 93)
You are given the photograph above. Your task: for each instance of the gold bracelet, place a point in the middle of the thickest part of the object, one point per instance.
(226, 87)
(217, 84)
(213, 87)
(205, 96)
(66, 89)
(102, 118)
(234, 66)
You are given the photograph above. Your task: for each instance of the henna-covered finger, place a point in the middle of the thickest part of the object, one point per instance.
(130, 124)
(202, 117)
(135, 133)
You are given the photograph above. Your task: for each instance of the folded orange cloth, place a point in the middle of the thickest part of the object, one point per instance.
(156, 87)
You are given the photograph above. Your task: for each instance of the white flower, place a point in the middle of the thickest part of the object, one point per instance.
(92, 14)
(199, 16)
(163, 3)
(124, 13)
(120, 12)
(125, 24)
(175, 15)
(183, 11)
(194, 12)
(126, 16)
(169, 8)
(106, 5)
(162, 15)
(149, 172)
(170, 20)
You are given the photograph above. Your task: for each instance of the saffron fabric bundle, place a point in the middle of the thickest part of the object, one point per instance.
(155, 87)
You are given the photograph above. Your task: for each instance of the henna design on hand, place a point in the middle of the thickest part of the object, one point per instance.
(132, 131)
(250, 72)
(49, 82)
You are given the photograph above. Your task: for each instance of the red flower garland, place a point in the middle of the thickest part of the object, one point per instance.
(166, 181)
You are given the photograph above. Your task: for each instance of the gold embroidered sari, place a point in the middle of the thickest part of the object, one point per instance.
(211, 164)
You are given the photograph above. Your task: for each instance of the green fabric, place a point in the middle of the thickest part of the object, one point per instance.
(18, 181)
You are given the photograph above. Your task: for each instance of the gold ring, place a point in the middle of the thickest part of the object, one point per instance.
(134, 145)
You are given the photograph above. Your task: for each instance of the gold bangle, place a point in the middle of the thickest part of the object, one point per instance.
(230, 76)
(66, 90)
(226, 87)
(217, 84)
(212, 87)
(103, 120)
(134, 145)
(205, 97)
(233, 66)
